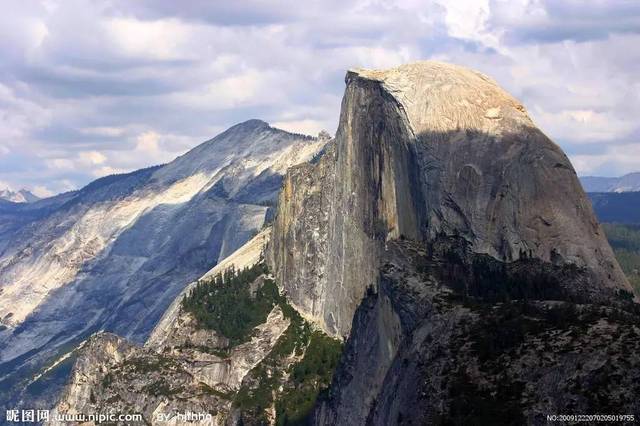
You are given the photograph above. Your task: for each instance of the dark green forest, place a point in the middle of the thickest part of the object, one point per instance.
(625, 241)
(233, 303)
(226, 303)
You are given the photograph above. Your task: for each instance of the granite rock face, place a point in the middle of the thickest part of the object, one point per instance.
(452, 337)
(423, 150)
(113, 376)
(448, 242)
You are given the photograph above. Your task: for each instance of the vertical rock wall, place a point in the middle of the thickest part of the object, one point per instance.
(423, 150)
(334, 216)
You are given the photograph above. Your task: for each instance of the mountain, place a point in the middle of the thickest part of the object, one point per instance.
(626, 183)
(460, 204)
(437, 263)
(21, 196)
(196, 374)
(617, 207)
(114, 255)
(454, 155)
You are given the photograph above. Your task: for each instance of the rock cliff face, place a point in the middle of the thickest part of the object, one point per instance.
(423, 150)
(114, 255)
(112, 376)
(452, 337)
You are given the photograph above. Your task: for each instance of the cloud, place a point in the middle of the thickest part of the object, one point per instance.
(615, 161)
(147, 143)
(93, 158)
(107, 170)
(103, 131)
(549, 21)
(248, 12)
(305, 127)
(162, 40)
(585, 125)
(42, 191)
(88, 89)
(467, 19)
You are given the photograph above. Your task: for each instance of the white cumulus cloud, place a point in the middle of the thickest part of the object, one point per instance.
(89, 89)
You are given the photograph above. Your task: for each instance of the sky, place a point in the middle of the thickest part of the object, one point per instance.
(91, 88)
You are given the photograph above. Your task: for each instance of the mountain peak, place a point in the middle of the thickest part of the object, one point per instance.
(21, 196)
(425, 152)
(254, 139)
(627, 183)
(254, 123)
(438, 218)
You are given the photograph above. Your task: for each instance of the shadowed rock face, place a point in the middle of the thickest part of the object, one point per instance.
(423, 150)
(452, 337)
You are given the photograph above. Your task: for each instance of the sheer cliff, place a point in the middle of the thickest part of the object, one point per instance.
(114, 255)
(423, 150)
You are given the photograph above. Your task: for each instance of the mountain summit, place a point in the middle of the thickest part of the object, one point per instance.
(21, 196)
(426, 151)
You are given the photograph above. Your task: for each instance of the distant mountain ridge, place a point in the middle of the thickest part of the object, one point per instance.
(627, 183)
(612, 207)
(21, 196)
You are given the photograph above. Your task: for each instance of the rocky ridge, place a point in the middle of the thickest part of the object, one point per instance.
(115, 254)
(179, 361)
(450, 337)
(21, 196)
(193, 375)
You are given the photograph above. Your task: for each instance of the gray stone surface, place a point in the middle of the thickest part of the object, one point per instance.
(185, 375)
(449, 242)
(422, 150)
